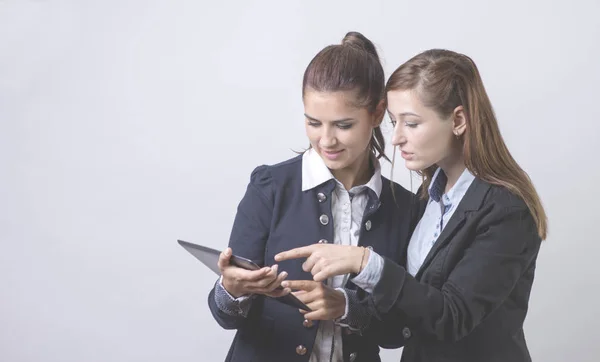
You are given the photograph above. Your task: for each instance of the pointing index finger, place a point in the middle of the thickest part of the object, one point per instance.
(302, 252)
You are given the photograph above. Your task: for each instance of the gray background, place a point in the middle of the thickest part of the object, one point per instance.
(128, 124)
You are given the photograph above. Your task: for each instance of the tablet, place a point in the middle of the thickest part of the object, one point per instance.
(210, 257)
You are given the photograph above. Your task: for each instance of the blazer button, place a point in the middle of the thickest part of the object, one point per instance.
(322, 241)
(324, 219)
(406, 333)
(301, 350)
(368, 225)
(353, 356)
(307, 323)
(321, 197)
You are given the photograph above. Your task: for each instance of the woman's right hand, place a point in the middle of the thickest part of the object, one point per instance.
(239, 281)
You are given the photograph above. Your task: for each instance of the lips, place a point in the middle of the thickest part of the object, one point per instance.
(406, 155)
(332, 155)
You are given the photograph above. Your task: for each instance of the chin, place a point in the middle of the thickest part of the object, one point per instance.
(414, 165)
(334, 165)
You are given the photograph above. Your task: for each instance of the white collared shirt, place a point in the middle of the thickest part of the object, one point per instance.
(347, 208)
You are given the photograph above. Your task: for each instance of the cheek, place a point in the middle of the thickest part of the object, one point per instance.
(312, 134)
(430, 144)
(358, 138)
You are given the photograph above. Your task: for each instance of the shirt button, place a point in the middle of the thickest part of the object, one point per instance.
(345, 229)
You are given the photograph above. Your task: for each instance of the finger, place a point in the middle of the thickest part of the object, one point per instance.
(315, 315)
(302, 296)
(317, 312)
(265, 281)
(277, 282)
(309, 263)
(302, 252)
(323, 274)
(224, 258)
(247, 275)
(306, 285)
(278, 293)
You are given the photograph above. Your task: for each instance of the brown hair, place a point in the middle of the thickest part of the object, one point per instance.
(444, 80)
(352, 65)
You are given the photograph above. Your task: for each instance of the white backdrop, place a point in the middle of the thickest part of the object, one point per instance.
(125, 125)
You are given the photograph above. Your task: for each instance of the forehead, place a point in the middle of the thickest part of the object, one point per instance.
(404, 101)
(331, 105)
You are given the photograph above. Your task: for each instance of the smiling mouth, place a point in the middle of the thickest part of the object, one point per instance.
(332, 155)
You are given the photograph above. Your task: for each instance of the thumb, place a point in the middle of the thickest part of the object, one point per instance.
(224, 258)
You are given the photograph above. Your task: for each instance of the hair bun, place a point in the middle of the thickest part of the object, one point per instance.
(357, 40)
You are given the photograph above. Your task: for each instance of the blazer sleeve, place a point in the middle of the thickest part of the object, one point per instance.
(249, 234)
(505, 244)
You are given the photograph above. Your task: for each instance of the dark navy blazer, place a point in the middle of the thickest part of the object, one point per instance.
(469, 300)
(276, 215)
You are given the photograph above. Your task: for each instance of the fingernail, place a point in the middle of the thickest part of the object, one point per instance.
(283, 274)
(285, 284)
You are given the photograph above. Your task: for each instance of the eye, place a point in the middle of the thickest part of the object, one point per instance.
(314, 124)
(393, 122)
(410, 124)
(344, 126)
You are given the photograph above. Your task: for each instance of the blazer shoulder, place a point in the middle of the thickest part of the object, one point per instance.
(274, 176)
(503, 198)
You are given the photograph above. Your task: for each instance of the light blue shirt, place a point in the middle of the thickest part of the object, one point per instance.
(438, 212)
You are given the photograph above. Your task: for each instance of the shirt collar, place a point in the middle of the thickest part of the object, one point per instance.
(315, 173)
(456, 193)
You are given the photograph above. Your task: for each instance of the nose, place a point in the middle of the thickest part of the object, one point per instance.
(398, 138)
(328, 138)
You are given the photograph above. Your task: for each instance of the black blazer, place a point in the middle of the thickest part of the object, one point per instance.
(468, 301)
(276, 215)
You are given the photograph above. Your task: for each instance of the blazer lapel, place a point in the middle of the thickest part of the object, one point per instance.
(471, 201)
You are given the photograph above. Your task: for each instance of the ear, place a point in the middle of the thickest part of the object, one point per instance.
(459, 121)
(379, 113)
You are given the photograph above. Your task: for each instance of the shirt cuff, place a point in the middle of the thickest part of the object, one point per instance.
(347, 304)
(357, 317)
(368, 278)
(227, 303)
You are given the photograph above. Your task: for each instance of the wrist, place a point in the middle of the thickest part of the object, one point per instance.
(229, 287)
(341, 308)
(362, 256)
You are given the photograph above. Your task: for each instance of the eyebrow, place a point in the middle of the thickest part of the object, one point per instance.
(336, 121)
(403, 114)
(408, 114)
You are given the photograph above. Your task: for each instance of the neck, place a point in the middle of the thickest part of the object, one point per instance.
(357, 174)
(453, 168)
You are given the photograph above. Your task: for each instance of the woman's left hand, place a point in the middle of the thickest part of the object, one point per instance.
(324, 302)
(326, 260)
